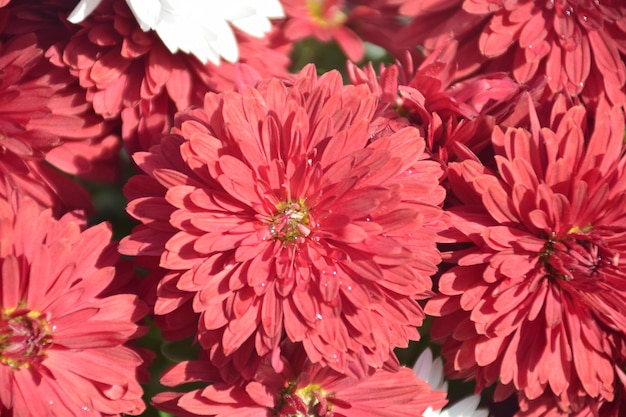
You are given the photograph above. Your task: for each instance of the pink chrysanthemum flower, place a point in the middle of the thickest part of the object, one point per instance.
(453, 117)
(280, 215)
(130, 73)
(578, 45)
(298, 388)
(62, 336)
(349, 23)
(46, 123)
(537, 302)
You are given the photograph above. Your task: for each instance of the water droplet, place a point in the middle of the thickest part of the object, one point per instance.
(50, 402)
(54, 328)
(84, 408)
(368, 219)
(318, 316)
(349, 287)
(585, 18)
(262, 284)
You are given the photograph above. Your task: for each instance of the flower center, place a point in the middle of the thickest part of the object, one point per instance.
(291, 221)
(326, 12)
(24, 337)
(309, 401)
(579, 256)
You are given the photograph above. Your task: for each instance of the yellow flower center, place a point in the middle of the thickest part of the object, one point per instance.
(309, 401)
(24, 337)
(291, 221)
(581, 253)
(326, 12)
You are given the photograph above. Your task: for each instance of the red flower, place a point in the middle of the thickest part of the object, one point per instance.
(45, 120)
(349, 23)
(299, 387)
(578, 45)
(131, 73)
(453, 117)
(538, 301)
(280, 215)
(62, 334)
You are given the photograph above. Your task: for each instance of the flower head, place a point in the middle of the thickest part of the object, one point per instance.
(60, 327)
(537, 298)
(577, 45)
(278, 214)
(299, 388)
(197, 27)
(47, 126)
(452, 116)
(132, 74)
(349, 23)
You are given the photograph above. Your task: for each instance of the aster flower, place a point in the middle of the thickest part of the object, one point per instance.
(577, 45)
(47, 126)
(453, 117)
(298, 388)
(62, 333)
(280, 216)
(431, 371)
(198, 27)
(131, 73)
(349, 23)
(536, 301)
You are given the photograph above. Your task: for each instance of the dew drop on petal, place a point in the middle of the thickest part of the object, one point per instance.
(318, 316)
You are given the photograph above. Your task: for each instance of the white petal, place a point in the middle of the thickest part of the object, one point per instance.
(423, 364)
(430, 371)
(203, 27)
(82, 10)
(254, 25)
(466, 408)
(147, 12)
(270, 8)
(430, 413)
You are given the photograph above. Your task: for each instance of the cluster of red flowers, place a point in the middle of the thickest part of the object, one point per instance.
(299, 226)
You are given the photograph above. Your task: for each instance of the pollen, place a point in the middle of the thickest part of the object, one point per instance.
(291, 222)
(24, 337)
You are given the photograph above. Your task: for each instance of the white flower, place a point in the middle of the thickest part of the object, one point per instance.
(198, 27)
(432, 372)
